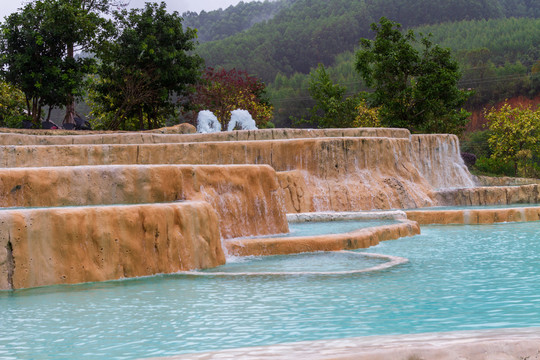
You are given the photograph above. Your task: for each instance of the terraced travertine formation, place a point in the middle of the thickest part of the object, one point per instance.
(246, 197)
(81, 244)
(203, 187)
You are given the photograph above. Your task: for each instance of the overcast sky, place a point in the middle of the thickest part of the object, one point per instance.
(9, 6)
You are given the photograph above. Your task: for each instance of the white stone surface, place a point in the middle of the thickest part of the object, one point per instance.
(340, 216)
(499, 344)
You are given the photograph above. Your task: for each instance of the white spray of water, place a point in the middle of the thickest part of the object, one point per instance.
(243, 119)
(207, 122)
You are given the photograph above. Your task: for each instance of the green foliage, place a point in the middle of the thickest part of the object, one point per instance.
(12, 105)
(493, 71)
(332, 109)
(37, 51)
(515, 137)
(366, 116)
(146, 60)
(415, 89)
(309, 32)
(477, 143)
(219, 24)
(506, 40)
(222, 91)
(490, 166)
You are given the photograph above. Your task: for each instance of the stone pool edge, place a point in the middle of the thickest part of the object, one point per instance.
(517, 343)
(474, 216)
(357, 239)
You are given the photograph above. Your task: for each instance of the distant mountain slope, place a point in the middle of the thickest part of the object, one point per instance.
(309, 32)
(220, 24)
(499, 58)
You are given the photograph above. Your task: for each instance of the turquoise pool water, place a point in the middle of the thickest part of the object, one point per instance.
(298, 263)
(330, 227)
(458, 278)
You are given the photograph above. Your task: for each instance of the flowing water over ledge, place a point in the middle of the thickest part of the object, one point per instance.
(458, 278)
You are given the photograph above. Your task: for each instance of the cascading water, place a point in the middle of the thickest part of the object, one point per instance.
(207, 122)
(438, 159)
(243, 119)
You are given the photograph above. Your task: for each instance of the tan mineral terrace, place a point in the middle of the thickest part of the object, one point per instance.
(358, 239)
(499, 344)
(82, 244)
(21, 138)
(474, 216)
(319, 174)
(247, 198)
(490, 195)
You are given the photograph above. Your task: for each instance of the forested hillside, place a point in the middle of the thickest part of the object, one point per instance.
(309, 32)
(499, 58)
(222, 23)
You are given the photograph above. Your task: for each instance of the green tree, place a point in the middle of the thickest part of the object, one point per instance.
(416, 89)
(515, 137)
(146, 61)
(12, 105)
(78, 25)
(36, 50)
(332, 108)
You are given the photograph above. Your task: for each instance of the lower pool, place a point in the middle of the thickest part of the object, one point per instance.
(457, 278)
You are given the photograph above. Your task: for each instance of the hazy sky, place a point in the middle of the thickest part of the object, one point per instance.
(9, 6)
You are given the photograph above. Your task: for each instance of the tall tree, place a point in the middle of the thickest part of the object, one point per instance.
(37, 51)
(80, 20)
(33, 57)
(416, 89)
(333, 109)
(147, 60)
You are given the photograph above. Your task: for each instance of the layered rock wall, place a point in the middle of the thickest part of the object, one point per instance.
(486, 195)
(14, 138)
(474, 216)
(503, 181)
(81, 244)
(247, 198)
(339, 174)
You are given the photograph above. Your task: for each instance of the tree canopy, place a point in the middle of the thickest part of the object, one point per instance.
(497, 59)
(222, 23)
(37, 50)
(147, 59)
(34, 58)
(515, 138)
(416, 89)
(308, 32)
(332, 109)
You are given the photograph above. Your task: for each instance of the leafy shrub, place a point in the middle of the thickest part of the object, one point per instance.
(12, 105)
(494, 166)
(515, 137)
(477, 143)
